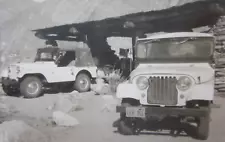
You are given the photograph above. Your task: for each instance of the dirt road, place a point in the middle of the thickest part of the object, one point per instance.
(96, 126)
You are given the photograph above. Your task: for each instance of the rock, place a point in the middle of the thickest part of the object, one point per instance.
(220, 74)
(220, 86)
(99, 81)
(18, 131)
(62, 119)
(100, 74)
(65, 103)
(101, 87)
(201, 29)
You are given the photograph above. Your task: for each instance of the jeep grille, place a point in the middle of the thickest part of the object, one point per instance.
(162, 91)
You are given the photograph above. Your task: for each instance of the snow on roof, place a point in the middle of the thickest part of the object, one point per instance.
(176, 34)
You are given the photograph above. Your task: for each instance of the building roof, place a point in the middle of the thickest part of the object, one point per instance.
(176, 34)
(174, 19)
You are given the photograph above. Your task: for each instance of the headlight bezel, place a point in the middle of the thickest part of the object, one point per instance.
(184, 83)
(142, 82)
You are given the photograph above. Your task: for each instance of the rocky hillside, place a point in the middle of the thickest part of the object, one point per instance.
(219, 31)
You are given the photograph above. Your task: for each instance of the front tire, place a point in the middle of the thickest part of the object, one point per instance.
(31, 87)
(127, 126)
(83, 82)
(203, 127)
(10, 91)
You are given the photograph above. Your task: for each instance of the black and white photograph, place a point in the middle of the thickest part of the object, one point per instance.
(112, 70)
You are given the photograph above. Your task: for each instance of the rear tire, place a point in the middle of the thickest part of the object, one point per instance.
(83, 82)
(31, 87)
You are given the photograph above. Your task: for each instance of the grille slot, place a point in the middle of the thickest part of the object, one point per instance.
(162, 90)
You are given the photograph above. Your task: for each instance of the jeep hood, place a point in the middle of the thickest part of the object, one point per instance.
(202, 70)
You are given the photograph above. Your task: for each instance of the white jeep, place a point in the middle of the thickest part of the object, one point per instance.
(54, 70)
(172, 79)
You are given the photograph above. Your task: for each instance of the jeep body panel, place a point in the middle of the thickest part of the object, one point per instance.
(193, 70)
(162, 75)
(169, 85)
(49, 70)
(202, 88)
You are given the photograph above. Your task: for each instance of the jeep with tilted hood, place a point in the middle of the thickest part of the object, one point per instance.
(172, 81)
(54, 70)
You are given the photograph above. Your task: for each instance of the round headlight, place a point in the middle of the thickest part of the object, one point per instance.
(184, 83)
(142, 82)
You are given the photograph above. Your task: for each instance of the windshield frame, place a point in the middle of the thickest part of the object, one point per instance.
(54, 51)
(174, 60)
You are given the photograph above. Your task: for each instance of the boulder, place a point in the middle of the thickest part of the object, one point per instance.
(62, 119)
(101, 87)
(18, 131)
(65, 103)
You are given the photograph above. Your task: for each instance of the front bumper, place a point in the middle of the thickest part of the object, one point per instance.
(169, 111)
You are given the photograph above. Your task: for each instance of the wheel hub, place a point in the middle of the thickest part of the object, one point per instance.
(32, 88)
(83, 83)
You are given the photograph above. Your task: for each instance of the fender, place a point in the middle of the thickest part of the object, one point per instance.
(90, 70)
(127, 90)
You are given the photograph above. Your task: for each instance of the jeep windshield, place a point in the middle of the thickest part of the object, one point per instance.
(46, 54)
(175, 50)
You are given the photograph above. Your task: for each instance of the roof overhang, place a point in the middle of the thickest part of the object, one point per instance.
(174, 19)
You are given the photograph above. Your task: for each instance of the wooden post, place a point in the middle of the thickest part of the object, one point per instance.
(133, 56)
